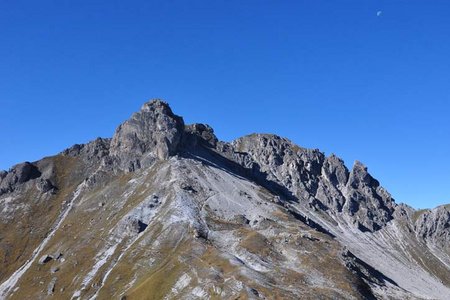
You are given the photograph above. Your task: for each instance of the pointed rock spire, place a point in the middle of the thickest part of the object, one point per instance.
(370, 204)
(335, 170)
(359, 175)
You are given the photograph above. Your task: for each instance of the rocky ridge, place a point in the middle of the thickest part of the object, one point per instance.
(347, 208)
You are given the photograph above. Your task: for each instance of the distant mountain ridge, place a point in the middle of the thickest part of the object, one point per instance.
(165, 210)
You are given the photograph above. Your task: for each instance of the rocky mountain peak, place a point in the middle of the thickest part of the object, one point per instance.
(157, 105)
(359, 175)
(152, 133)
(263, 211)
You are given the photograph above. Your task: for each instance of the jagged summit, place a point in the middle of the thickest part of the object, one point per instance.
(159, 105)
(165, 210)
(153, 132)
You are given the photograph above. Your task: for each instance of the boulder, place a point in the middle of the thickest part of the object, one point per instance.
(51, 286)
(45, 259)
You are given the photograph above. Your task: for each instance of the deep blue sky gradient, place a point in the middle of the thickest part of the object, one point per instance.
(326, 74)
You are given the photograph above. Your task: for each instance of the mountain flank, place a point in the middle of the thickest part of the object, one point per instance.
(165, 210)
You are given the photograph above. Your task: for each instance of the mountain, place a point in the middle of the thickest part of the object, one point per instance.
(165, 210)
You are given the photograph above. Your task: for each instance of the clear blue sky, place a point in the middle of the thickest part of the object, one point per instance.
(326, 74)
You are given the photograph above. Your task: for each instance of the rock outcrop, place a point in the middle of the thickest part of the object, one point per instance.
(434, 226)
(18, 174)
(323, 182)
(90, 152)
(152, 133)
(371, 204)
(199, 135)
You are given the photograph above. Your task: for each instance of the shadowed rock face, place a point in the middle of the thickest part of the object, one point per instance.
(165, 210)
(18, 175)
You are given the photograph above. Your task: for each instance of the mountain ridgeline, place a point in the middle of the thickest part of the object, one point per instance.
(165, 210)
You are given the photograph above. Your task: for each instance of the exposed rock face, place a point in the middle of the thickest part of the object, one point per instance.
(19, 174)
(91, 152)
(324, 182)
(165, 210)
(152, 133)
(45, 185)
(295, 168)
(434, 226)
(367, 200)
(335, 177)
(199, 134)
